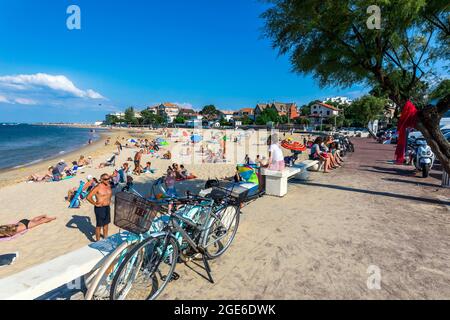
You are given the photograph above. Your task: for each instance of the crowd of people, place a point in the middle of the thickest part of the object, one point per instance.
(61, 170)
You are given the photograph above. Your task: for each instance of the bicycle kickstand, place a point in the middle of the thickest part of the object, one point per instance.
(207, 268)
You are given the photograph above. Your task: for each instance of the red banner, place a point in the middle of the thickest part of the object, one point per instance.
(408, 119)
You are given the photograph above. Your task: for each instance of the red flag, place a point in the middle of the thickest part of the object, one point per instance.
(408, 119)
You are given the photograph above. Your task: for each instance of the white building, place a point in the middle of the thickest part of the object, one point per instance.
(320, 111)
(340, 100)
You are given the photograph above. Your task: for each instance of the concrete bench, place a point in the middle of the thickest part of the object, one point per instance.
(42, 279)
(305, 166)
(276, 181)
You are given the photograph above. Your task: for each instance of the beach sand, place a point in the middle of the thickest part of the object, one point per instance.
(74, 228)
(318, 242)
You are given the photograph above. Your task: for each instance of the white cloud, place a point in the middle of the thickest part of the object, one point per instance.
(185, 105)
(39, 81)
(3, 99)
(25, 101)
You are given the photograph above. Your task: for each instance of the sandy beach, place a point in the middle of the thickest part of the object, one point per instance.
(315, 243)
(74, 228)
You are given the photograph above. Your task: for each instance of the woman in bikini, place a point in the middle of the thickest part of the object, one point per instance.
(11, 230)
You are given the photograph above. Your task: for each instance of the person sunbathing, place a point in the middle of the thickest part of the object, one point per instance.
(82, 162)
(10, 230)
(167, 155)
(40, 178)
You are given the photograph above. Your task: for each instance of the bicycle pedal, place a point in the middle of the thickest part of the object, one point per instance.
(175, 277)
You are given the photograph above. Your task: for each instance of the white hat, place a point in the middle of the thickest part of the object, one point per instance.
(89, 178)
(61, 161)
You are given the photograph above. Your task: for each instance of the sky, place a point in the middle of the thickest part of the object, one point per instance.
(139, 53)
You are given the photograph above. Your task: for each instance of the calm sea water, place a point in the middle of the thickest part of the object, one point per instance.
(24, 144)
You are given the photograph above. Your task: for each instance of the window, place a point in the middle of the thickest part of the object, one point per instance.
(328, 113)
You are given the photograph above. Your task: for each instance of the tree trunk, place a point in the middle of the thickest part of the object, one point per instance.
(428, 123)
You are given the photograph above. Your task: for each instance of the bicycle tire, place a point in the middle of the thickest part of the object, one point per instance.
(152, 277)
(211, 230)
(105, 269)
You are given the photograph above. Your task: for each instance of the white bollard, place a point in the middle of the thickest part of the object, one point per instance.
(445, 179)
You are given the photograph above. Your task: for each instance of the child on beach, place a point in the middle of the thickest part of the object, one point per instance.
(170, 182)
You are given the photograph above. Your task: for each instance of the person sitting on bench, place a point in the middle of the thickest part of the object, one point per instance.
(317, 154)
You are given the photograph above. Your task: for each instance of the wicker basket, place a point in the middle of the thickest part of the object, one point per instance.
(135, 214)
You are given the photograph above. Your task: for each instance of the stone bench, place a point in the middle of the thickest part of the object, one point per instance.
(39, 280)
(276, 181)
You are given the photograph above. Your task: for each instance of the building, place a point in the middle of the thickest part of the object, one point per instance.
(228, 115)
(283, 109)
(244, 112)
(112, 117)
(340, 100)
(321, 111)
(167, 110)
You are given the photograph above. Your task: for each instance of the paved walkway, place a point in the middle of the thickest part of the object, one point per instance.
(323, 238)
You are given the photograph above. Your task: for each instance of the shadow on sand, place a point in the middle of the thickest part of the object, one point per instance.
(83, 224)
(378, 193)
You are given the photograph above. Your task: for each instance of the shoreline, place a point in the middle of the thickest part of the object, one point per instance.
(14, 175)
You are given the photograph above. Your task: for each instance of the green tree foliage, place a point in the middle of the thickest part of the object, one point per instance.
(331, 41)
(246, 120)
(149, 117)
(112, 120)
(179, 120)
(365, 109)
(441, 90)
(130, 117)
(210, 112)
(268, 115)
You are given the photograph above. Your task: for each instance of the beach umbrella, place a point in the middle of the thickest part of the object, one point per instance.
(195, 138)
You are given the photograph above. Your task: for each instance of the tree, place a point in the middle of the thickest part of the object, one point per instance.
(149, 117)
(112, 120)
(441, 90)
(130, 116)
(331, 40)
(246, 120)
(268, 115)
(365, 109)
(179, 120)
(210, 112)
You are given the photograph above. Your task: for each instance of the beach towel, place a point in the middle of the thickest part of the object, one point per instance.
(4, 239)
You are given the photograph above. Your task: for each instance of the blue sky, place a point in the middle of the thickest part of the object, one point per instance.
(140, 52)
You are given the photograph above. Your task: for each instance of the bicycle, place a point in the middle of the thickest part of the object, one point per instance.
(197, 226)
(127, 204)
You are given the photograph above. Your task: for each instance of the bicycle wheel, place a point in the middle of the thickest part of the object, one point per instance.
(221, 231)
(100, 285)
(146, 270)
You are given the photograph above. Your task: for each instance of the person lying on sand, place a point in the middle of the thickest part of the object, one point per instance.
(167, 155)
(10, 230)
(82, 162)
(40, 178)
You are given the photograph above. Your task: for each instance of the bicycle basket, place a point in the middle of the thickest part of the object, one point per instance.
(133, 213)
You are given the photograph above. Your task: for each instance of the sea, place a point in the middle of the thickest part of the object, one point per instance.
(26, 144)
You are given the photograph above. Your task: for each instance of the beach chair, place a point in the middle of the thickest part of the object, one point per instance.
(76, 200)
(111, 161)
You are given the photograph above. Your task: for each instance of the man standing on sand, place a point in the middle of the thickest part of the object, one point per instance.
(102, 193)
(137, 162)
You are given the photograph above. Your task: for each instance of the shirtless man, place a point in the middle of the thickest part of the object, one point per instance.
(102, 193)
(137, 162)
